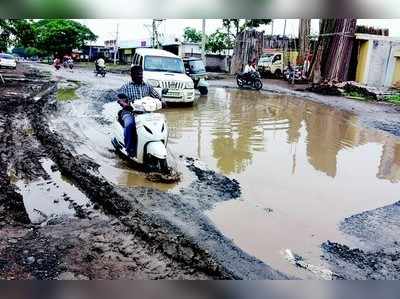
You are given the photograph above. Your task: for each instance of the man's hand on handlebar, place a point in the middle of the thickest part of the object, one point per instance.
(123, 102)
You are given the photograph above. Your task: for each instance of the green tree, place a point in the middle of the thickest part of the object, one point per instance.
(192, 35)
(16, 32)
(61, 36)
(228, 23)
(254, 23)
(242, 24)
(218, 41)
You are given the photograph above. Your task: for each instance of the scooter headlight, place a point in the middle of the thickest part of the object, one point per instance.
(189, 85)
(154, 83)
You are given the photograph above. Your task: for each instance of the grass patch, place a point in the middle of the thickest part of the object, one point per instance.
(394, 98)
(356, 95)
(67, 94)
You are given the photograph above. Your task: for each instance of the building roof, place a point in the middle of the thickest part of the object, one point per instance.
(154, 52)
(364, 36)
(132, 44)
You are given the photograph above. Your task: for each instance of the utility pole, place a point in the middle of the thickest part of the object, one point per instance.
(272, 27)
(155, 36)
(116, 45)
(284, 28)
(203, 42)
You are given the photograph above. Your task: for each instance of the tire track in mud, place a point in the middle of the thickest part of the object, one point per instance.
(376, 233)
(172, 224)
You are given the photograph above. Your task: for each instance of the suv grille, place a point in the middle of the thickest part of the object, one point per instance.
(172, 84)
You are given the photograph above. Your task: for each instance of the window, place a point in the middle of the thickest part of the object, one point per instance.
(277, 58)
(163, 64)
(196, 66)
(6, 56)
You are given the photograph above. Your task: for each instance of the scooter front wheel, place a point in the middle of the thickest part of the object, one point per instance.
(164, 169)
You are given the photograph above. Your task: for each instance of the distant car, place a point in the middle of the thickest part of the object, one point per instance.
(195, 69)
(7, 60)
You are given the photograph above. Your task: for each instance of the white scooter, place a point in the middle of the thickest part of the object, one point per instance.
(151, 138)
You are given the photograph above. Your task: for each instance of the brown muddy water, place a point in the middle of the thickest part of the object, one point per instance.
(302, 167)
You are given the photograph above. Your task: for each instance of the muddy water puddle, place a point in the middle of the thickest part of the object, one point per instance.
(302, 167)
(45, 199)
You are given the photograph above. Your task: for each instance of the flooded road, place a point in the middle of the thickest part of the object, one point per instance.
(303, 167)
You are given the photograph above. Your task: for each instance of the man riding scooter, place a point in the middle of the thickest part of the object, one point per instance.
(130, 92)
(100, 66)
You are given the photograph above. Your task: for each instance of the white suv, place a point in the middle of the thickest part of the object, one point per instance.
(162, 69)
(7, 60)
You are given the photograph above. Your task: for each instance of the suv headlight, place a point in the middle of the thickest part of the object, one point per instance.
(189, 85)
(153, 82)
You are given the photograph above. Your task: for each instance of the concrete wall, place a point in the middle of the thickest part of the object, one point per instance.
(377, 62)
(362, 62)
(217, 63)
(190, 50)
(391, 68)
(396, 74)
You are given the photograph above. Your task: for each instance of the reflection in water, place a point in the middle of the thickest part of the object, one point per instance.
(311, 164)
(237, 122)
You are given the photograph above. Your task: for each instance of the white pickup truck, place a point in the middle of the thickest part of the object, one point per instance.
(271, 63)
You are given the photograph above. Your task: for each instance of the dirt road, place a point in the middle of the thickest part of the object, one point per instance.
(114, 232)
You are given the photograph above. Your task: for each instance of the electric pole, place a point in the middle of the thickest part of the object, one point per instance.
(155, 35)
(284, 28)
(272, 27)
(203, 42)
(116, 45)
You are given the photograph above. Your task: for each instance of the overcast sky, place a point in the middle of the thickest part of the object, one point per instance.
(140, 28)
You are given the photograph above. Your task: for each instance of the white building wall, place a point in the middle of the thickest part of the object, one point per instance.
(395, 46)
(378, 63)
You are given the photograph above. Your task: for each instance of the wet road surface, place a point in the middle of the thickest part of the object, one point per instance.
(303, 167)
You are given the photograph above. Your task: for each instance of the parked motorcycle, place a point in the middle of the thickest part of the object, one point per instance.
(151, 136)
(252, 80)
(293, 74)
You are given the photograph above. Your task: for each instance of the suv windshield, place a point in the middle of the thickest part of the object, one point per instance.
(196, 66)
(6, 56)
(163, 64)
